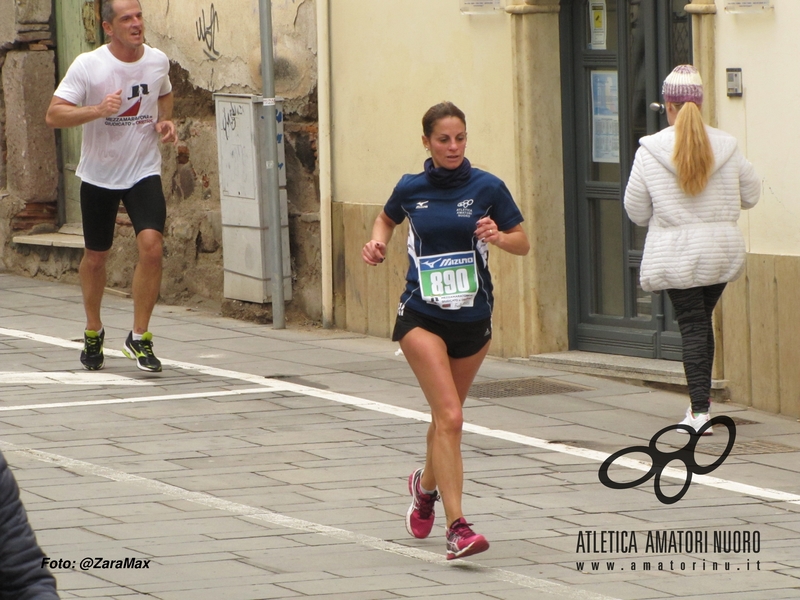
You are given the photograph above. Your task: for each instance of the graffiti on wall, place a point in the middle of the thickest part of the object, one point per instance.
(206, 32)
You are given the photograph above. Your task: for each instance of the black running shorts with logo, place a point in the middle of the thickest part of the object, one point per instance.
(144, 202)
(461, 339)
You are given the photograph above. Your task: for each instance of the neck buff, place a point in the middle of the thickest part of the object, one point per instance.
(447, 178)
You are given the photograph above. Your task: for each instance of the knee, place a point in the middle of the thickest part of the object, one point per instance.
(450, 422)
(150, 249)
(94, 260)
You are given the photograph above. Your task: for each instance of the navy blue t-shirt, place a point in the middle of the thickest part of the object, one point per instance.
(448, 275)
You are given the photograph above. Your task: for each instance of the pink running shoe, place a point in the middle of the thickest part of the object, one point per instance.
(419, 519)
(462, 541)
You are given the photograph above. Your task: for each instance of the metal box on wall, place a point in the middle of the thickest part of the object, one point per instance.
(245, 216)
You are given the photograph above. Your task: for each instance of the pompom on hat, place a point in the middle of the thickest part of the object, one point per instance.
(684, 84)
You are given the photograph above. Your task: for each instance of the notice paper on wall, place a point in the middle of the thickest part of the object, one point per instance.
(747, 6)
(480, 7)
(605, 117)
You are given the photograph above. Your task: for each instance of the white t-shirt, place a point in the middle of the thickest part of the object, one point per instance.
(121, 150)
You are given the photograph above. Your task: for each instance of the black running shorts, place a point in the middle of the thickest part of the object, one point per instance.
(145, 203)
(462, 339)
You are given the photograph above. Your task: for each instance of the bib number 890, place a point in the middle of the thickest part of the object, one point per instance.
(449, 282)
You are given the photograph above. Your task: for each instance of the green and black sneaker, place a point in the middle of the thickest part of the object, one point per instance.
(92, 353)
(142, 352)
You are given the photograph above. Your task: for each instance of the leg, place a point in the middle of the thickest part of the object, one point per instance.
(711, 295)
(146, 278)
(445, 382)
(147, 210)
(92, 273)
(99, 212)
(696, 329)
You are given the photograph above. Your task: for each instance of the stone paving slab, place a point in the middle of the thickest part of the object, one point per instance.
(300, 493)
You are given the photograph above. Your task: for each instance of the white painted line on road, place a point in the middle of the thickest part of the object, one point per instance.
(67, 378)
(265, 516)
(593, 455)
(259, 390)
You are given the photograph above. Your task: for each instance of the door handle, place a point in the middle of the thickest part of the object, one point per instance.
(657, 107)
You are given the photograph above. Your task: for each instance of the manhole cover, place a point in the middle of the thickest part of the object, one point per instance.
(532, 386)
(754, 447)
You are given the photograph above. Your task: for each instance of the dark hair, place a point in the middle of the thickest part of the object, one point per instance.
(107, 12)
(440, 111)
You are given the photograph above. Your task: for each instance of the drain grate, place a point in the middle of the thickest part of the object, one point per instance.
(754, 447)
(741, 421)
(531, 386)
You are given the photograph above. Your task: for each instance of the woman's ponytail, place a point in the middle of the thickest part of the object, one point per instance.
(692, 156)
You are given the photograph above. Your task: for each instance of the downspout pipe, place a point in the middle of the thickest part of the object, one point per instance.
(324, 158)
(269, 153)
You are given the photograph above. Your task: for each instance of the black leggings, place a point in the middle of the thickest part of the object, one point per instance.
(693, 309)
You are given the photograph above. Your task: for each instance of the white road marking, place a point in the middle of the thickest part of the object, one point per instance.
(66, 377)
(266, 516)
(260, 390)
(592, 455)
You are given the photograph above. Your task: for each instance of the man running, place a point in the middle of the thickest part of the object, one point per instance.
(122, 96)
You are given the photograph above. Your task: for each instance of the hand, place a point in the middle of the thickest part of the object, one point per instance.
(374, 252)
(168, 132)
(487, 231)
(110, 105)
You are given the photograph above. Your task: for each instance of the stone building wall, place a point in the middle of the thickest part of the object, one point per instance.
(213, 47)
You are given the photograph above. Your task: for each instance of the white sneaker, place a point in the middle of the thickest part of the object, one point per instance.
(696, 422)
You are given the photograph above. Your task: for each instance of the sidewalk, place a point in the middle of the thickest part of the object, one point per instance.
(274, 464)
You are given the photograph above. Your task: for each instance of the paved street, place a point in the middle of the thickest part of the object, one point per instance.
(274, 464)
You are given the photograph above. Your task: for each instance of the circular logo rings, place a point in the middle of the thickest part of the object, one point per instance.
(662, 459)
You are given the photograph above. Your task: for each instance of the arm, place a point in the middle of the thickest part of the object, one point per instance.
(61, 114)
(374, 251)
(638, 203)
(23, 573)
(513, 241)
(749, 184)
(165, 127)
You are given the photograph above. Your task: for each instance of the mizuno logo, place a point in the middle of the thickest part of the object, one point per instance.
(422, 204)
(450, 262)
(430, 263)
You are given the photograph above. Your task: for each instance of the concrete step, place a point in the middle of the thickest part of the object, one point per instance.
(628, 368)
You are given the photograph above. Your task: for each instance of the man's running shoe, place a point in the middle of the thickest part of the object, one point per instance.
(142, 352)
(92, 353)
(419, 519)
(462, 541)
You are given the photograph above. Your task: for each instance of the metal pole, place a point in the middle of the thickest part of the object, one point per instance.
(269, 183)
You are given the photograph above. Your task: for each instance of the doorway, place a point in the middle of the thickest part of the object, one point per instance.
(615, 55)
(78, 29)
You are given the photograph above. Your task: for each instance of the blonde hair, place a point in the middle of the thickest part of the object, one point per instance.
(692, 156)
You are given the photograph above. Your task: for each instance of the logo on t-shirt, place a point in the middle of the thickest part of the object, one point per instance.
(463, 208)
(131, 115)
(422, 204)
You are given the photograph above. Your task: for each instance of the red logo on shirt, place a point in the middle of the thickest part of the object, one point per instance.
(133, 110)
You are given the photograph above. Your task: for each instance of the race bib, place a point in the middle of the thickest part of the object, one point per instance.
(449, 281)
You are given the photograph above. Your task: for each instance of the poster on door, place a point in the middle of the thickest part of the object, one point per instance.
(605, 117)
(597, 18)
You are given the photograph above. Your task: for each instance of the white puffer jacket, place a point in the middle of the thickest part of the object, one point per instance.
(692, 240)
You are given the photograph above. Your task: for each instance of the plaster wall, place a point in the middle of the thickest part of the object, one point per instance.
(216, 47)
(218, 43)
(762, 45)
(389, 65)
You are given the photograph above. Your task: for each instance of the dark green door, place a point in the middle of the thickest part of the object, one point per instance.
(615, 54)
(77, 30)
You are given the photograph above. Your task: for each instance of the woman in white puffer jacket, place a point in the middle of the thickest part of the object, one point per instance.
(689, 183)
